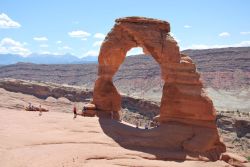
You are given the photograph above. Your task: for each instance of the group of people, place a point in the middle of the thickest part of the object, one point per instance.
(33, 108)
(147, 125)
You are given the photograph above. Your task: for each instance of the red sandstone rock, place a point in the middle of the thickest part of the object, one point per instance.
(184, 101)
(89, 113)
(89, 106)
(105, 96)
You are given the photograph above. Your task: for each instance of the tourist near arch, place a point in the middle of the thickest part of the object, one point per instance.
(187, 114)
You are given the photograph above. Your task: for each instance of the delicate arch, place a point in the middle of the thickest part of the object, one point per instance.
(183, 98)
(183, 102)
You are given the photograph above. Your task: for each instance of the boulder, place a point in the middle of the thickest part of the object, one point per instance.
(89, 106)
(89, 113)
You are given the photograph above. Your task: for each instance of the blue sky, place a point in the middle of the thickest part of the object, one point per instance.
(78, 26)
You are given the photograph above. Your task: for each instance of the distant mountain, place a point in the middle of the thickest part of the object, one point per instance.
(225, 68)
(221, 59)
(7, 59)
(87, 59)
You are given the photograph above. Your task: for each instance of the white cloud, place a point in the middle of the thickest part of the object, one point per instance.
(97, 43)
(99, 36)
(135, 51)
(79, 34)
(245, 33)
(65, 48)
(40, 38)
(8, 45)
(44, 46)
(58, 42)
(187, 26)
(84, 39)
(7, 22)
(91, 53)
(224, 34)
(203, 46)
(243, 44)
(48, 53)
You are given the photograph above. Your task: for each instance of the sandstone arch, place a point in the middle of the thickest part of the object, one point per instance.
(183, 99)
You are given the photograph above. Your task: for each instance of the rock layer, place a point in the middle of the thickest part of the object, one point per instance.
(44, 90)
(184, 101)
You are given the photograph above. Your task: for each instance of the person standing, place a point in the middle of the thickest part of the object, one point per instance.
(137, 123)
(83, 110)
(40, 110)
(146, 125)
(30, 105)
(74, 111)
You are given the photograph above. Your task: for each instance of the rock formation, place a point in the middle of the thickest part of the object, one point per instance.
(184, 102)
(44, 90)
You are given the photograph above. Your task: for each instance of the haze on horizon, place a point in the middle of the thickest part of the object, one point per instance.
(79, 27)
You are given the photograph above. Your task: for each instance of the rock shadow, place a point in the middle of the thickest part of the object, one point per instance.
(164, 142)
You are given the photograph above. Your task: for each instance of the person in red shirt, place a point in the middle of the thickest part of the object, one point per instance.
(74, 111)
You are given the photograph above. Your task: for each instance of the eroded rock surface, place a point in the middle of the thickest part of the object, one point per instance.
(123, 134)
(184, 102)
(44, 90)
(57, 140)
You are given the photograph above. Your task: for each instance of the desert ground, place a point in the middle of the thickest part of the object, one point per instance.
(55, 139)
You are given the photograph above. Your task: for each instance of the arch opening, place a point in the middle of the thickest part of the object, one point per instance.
(135, 51)
(139, 82)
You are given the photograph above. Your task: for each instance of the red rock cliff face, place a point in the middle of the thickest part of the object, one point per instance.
(183, 98)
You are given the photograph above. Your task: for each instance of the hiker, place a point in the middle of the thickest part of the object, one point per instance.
(74, 111)
(238, 112)
(137, 124)
(30, 105)
(40, 110)
(83, 111)
(152, 124)
(157, 123)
